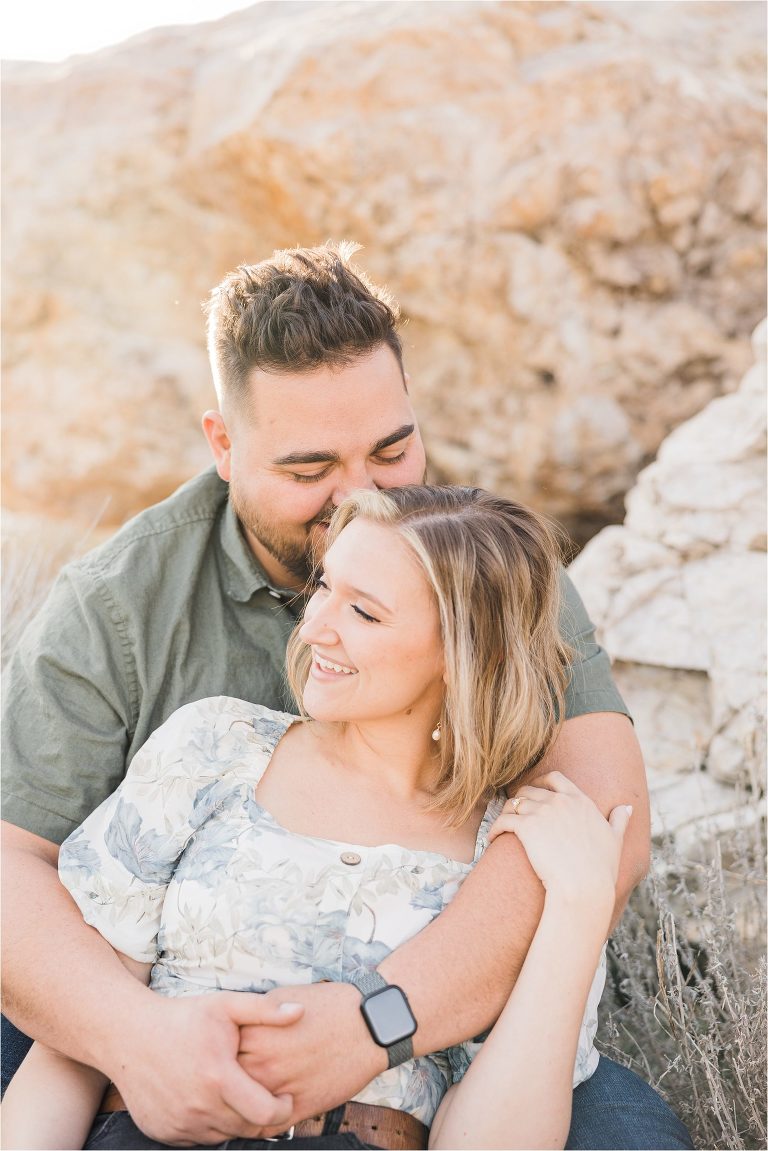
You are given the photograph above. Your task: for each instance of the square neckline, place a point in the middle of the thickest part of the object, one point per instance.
(274, 738)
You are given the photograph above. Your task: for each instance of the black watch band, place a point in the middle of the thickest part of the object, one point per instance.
(370, 984)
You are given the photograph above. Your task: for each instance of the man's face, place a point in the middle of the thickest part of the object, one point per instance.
(303, 443)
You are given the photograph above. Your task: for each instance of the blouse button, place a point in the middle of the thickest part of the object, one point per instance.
(351, 858)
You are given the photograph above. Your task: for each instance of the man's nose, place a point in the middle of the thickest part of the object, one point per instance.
(352, 479)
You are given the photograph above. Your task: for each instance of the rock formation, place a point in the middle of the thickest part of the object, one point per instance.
(567, 199)
(679, 596)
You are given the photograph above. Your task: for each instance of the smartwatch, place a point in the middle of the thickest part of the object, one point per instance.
(388, 1016)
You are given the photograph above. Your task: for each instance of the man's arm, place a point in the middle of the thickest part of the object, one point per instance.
(456, 993)
(67, 710)
(174, 1060)
(500, 904)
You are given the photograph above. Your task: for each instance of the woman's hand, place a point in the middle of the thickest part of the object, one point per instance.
(572, 848)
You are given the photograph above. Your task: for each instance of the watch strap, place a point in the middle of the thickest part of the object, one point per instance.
(400, 1052)
(368, 982)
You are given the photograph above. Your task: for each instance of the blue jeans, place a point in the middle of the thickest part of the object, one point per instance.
(614, 1110)
(15, 1046)
(617, 1110)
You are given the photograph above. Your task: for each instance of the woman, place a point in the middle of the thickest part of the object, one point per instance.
(249, 849)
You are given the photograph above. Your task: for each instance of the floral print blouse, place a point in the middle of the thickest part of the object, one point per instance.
(182, 868)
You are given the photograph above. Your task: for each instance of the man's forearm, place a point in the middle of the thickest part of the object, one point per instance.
(62, 1004)
(457, 991)
(459, 971)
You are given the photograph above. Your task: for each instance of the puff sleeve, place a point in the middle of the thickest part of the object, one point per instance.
(117, 865)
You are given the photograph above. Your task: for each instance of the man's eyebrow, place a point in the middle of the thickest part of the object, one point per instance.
(401, 434)
(333, 457)
(307, 458)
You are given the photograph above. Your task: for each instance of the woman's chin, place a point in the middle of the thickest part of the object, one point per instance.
(322, 709)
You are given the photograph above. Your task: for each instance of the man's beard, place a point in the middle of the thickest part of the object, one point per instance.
(297, 556)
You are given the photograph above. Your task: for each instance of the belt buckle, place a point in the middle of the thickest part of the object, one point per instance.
(286, 1135)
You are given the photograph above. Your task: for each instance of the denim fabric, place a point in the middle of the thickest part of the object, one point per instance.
(15, 1046)
(118, 1132)
(616, 1110)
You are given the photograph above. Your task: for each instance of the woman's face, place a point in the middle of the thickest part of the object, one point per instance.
(374, 630)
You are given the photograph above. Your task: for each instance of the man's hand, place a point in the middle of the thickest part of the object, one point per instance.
(324, 1059)
(174, 1060)
(196, 1091)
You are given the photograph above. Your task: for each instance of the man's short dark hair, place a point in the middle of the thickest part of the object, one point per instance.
(305, 308)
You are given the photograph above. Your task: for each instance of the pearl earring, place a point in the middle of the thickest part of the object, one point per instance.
(437, 733)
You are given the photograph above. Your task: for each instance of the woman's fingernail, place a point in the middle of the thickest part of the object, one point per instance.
(628, 808)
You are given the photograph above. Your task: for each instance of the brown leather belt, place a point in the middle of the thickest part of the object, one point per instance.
(382, 1126)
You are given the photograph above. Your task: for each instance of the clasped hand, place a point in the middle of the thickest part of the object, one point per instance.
(244, 1065)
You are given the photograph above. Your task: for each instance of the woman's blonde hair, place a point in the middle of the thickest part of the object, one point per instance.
(494, 570)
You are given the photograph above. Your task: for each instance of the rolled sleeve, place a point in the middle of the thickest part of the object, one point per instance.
(67, 709)
(590, 687)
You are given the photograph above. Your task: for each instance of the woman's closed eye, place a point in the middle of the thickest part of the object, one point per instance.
(364, 614)
(321, 585)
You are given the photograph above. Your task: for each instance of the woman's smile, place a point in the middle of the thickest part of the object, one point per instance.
(324, 668)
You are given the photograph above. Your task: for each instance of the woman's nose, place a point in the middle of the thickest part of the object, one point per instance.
(317, 628)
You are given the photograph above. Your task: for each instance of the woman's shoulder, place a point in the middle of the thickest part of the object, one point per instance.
(224, 711)
(216, 734)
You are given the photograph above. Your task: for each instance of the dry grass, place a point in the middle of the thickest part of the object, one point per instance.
(685, 1005)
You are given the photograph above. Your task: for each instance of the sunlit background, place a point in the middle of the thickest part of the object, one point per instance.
(52, 31)
(568, 200)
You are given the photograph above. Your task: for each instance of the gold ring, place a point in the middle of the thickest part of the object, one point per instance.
(516, 804)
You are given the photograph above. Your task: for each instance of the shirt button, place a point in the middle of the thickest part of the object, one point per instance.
(350, 858)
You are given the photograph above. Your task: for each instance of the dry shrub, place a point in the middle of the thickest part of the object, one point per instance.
(685, 1002)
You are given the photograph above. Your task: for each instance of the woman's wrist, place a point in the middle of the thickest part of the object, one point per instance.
(581, 907)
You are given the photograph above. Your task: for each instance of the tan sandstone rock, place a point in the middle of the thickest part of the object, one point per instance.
(567, 198)
(679, 597)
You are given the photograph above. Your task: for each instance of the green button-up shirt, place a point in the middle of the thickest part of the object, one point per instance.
(172, 609)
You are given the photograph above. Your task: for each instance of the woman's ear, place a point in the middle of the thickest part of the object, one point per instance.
(215, 431)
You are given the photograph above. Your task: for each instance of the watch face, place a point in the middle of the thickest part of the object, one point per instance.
(388, 1016)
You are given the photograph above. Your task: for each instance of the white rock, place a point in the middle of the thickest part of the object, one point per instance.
(679, 597)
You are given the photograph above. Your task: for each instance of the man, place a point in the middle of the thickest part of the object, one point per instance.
(196, 597)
